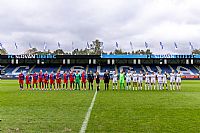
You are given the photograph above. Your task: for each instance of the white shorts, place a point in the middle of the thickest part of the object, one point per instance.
(134, 80)
(128, 80)
(165, 81)
(147, 81)
(114, 81)
(140, 81)
(160, 82)
(178, 80)
(172, 80)
(153, 81)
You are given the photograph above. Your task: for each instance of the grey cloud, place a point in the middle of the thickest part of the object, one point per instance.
(79, 21)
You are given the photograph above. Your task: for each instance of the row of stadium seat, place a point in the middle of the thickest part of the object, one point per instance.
(186, 69)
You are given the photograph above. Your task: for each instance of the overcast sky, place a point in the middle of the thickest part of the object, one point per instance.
(110, 21)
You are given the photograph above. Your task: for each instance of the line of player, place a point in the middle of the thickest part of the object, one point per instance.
(56, 81)
(153, 81)
(77, 81)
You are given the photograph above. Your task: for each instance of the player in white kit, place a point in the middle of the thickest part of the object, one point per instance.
(147, 81)
(160, 81)
(115, 77)
(165, 80)
(172, 80)
(178, 81)
(135, 80)
(128, 79)
(153, 80)
(140, 80)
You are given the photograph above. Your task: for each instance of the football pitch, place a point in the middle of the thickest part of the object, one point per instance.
(113, 111)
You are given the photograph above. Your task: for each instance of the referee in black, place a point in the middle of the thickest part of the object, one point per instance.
(97, 80)
(90, 79)
(106, 78)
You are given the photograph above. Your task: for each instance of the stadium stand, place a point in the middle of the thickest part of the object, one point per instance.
(12, 65)
(186, 70)
(49, 69)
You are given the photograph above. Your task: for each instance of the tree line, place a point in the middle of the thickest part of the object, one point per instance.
(95, 48)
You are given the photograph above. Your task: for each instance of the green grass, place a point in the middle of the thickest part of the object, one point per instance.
(118, 111)
(36, 111)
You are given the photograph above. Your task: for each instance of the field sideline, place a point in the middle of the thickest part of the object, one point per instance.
(118, 111)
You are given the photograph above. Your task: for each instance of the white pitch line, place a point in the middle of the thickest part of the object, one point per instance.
(87, 116)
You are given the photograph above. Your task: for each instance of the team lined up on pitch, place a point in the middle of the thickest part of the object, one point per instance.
(83, 81)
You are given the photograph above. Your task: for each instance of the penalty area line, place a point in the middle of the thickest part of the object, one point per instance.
(87, 116)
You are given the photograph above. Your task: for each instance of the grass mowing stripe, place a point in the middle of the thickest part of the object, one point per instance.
(87, 117)
(41, 111)
(147, 111)
(113, 111)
